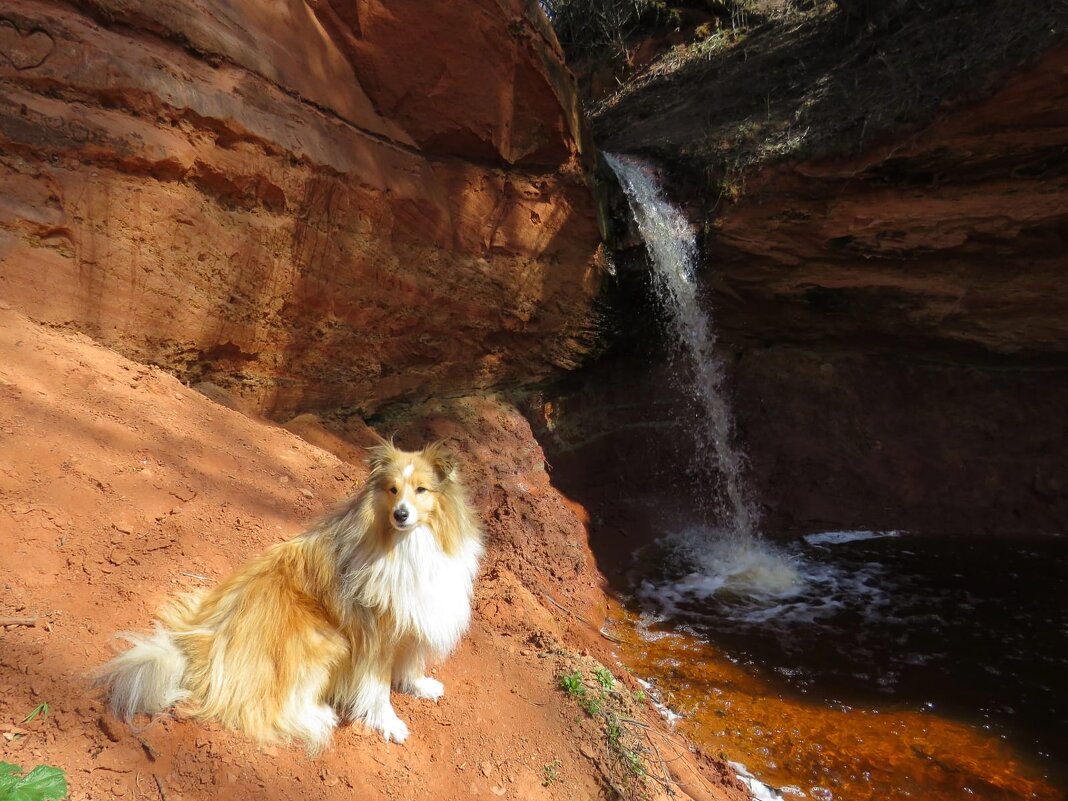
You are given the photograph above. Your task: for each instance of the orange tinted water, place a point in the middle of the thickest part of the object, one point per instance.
(813, 750)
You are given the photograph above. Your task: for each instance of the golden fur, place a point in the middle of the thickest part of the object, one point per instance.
(324, 623)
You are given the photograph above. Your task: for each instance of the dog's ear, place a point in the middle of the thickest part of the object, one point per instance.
(378, 456)
(380, 441)
(442, 460)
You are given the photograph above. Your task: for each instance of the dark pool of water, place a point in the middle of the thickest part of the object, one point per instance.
(971, 629)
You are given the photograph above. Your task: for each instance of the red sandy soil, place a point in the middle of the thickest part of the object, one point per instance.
(119, 487)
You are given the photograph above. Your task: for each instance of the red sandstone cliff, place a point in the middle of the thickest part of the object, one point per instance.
(316, 204)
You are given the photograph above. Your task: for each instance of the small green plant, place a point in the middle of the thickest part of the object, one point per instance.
(592, 704)
(550, 773)
(704, 30)
(607, 706)
(614, 734)
(605, 678)
(639, 695)
(43, 783)
(41, 709)
(613, 731)
(571, 683)
(633, 762)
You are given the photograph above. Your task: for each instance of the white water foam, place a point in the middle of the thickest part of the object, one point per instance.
(734, 582)
(728, 566)
(758, 791)
(667, 713)
(842, 537)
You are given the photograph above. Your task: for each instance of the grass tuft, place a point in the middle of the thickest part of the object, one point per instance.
(41, 710)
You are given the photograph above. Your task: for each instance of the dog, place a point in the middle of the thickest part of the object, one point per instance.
(320, 628)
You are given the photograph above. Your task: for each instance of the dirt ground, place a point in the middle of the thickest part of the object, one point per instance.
(119, 486)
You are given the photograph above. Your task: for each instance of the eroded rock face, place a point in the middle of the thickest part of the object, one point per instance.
(951, 240)
(312, 204)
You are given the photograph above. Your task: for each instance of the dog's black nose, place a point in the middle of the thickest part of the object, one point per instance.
(400, 514)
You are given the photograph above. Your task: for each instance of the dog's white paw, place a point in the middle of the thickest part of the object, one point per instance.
(393, 728)
(427, 687)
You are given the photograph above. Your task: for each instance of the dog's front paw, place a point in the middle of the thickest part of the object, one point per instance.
(427, 687)
(393, 728)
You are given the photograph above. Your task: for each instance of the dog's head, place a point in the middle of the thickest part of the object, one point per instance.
(409, 484)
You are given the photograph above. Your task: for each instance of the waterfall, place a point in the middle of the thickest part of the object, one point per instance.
(730, 556)
(672, 247)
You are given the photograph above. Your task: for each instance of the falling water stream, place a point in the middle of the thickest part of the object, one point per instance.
(721, 550)
(849, 666)
(673, 251)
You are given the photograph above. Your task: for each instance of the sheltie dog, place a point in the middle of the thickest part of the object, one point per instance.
(322, 625)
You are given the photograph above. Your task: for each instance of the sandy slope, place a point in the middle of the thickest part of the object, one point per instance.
(120, 486)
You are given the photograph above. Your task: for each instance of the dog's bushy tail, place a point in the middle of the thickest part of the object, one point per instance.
(147, 677)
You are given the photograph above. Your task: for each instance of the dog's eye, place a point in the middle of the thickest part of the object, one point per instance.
(420, 490)
(393, 490)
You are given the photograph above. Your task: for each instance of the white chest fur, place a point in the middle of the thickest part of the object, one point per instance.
(427, 592)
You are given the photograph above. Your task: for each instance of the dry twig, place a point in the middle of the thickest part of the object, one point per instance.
(28, 622)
